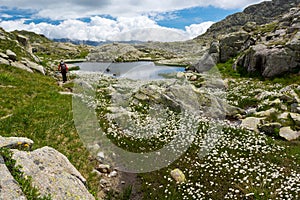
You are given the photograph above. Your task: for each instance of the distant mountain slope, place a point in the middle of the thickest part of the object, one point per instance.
(263, 40)
(261, 13)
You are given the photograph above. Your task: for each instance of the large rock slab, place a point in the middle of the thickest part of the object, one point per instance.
(15, 142)
(52, 173)
(289, 134)
(9, 188)
(21, 66)
(270, 62)
(34, 66)
(251, 123)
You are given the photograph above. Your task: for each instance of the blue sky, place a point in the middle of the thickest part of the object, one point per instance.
(157, 20)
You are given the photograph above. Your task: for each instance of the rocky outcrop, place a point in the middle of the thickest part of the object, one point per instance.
(51, 172)
(231, 44)
(266, 46)
(277, 50)
(23, 50)
(260, 14)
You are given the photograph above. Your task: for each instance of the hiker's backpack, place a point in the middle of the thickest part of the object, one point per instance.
(63, 67)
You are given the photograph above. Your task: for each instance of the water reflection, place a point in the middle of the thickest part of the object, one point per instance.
(132, 70)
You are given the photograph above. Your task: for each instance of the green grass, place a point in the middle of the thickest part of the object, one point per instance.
(36, 110)
(227, 70)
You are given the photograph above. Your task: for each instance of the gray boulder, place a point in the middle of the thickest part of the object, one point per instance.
(269, 62)
(52, 173)
(9, 188)
(289, 134)
(11, 55)
(34, 66)
(251, 123)
(232, 44)
(206, 62)
(4, 61)
(21, 66)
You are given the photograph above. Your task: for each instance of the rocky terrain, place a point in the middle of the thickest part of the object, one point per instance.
(264, 39)
(36, 53)
(257, 150)
(51, 172)
(269, 50)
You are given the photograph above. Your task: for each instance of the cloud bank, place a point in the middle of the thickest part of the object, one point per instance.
(107, 19)
(139, 28)
(57, 9)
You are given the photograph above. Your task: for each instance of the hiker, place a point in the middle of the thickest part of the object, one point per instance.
(63, 68)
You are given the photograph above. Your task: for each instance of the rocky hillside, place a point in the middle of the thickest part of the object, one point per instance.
(36, 53)
(29, 95)
(262, 44)
(261, 13)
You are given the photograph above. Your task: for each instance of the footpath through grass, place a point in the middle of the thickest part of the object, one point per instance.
(31, 106)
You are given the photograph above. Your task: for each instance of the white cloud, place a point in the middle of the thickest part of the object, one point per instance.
(5, 16)
(134, 19)
(57, 9)
(195, 30)
(100, 29)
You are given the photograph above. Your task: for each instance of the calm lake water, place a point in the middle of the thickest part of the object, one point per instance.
(132, 70)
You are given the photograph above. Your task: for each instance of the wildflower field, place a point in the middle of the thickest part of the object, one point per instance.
(220, 159)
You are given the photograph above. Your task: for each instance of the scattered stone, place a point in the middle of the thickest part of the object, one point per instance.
(9, 188)
(11, 55)
(178, 175)
(251, 123)
(180, 75)
(275, 102)
(15, 142)
(104, 168)
(193, 78)
(100, 156)
(52, 173)
(2, 55)
(104, 183)
(113, 174)
(266, 113)
(4, 61)
(289, 134)
(296, 118)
